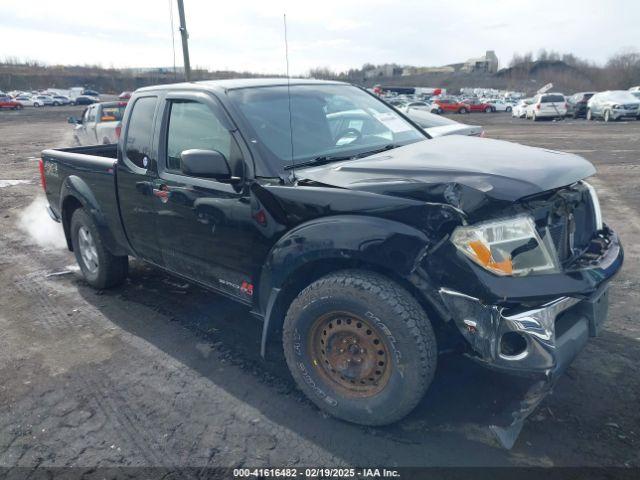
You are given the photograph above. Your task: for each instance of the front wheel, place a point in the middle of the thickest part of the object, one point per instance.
(508, 109)
(100, 268)
(488, 110)
(462, 110)
(607, 116)
(360, 347)
(589, 115)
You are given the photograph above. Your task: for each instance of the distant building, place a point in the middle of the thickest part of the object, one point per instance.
(424, 70)
(383, 71)
(488, 63)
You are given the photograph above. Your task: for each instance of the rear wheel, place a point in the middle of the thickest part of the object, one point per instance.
(534, 117)
(607, 116)
(462, 110)
(360, 347)
(100, 268)
(589, 115)
(487, 110)
(508, 109)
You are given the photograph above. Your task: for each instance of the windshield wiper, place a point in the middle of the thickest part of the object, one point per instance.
(384, 148)
(319, 161)
(324, 159)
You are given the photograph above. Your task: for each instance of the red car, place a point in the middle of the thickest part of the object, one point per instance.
(451, 105)
(8, 102)
(478, 106)
(126, 95)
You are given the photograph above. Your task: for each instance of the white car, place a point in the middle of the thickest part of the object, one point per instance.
(419, 105)
(613, 105)
(41, 100)
(500, 105)
(34, 100)
(61, 100)
(519, 110)
(547, 105)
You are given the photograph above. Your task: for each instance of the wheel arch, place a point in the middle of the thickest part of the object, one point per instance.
(285, 275)
(75, 193)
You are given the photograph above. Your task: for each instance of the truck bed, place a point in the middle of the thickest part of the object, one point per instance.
(88, 171)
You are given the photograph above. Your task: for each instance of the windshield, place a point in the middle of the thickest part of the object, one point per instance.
(327, 121)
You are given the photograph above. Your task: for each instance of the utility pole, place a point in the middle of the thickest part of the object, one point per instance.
(185, 43)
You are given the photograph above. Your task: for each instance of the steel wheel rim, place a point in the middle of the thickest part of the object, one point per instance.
(350, 354)
(88, 250)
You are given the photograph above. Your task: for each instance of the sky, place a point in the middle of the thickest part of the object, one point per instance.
(248, 35)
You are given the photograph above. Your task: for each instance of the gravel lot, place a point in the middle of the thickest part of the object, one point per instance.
(162, 373)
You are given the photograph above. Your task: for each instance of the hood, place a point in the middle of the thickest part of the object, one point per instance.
(460, 170)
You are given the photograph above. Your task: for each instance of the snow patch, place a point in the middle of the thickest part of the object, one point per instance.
(11, 183)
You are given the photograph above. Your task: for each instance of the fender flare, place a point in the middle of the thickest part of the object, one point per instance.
(76, 188)
(348, 239)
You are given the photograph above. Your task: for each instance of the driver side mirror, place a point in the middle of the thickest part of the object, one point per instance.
(74, 120)
(206, 164)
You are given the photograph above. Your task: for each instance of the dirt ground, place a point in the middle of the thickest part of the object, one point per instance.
(162, 373)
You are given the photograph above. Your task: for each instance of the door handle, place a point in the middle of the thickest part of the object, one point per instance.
(162, 192)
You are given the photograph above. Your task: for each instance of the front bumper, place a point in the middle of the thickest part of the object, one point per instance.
(624, 113)
(542, 340)
(538, 329)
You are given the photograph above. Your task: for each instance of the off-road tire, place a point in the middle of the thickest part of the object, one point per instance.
(393, 315)
(112, 270)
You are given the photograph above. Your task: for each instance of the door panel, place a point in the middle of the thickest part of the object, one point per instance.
(136, 178)
(205, 226)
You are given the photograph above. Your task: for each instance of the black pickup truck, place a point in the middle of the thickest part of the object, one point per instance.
(358, 241)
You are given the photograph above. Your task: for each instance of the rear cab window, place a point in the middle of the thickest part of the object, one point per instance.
(112, 113)
(139, 136)
(551, 99)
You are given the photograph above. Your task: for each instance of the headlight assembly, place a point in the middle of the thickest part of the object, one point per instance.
(507, 247)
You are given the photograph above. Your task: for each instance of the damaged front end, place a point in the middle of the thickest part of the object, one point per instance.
(522, 316)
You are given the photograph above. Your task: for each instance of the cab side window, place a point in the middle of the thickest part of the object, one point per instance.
(91, 115)
(194, 125)
(140, 131)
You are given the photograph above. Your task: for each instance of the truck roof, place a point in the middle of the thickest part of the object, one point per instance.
(237, 83)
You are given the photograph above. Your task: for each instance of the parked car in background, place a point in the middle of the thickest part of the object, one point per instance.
(126, 95)
(61, 100)
(613, 105)
(40, 100)
(476, 105)
(85, 100)
(24, 100)
(423, 106)
(520, 108)
(7, 102)
(498, 105)
(439, 126)
(577, 104)
(100, 123)
(547, 105)
(453, 105)
(91, 93)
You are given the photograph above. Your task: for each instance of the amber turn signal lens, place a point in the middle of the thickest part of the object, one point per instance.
(485, 258)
